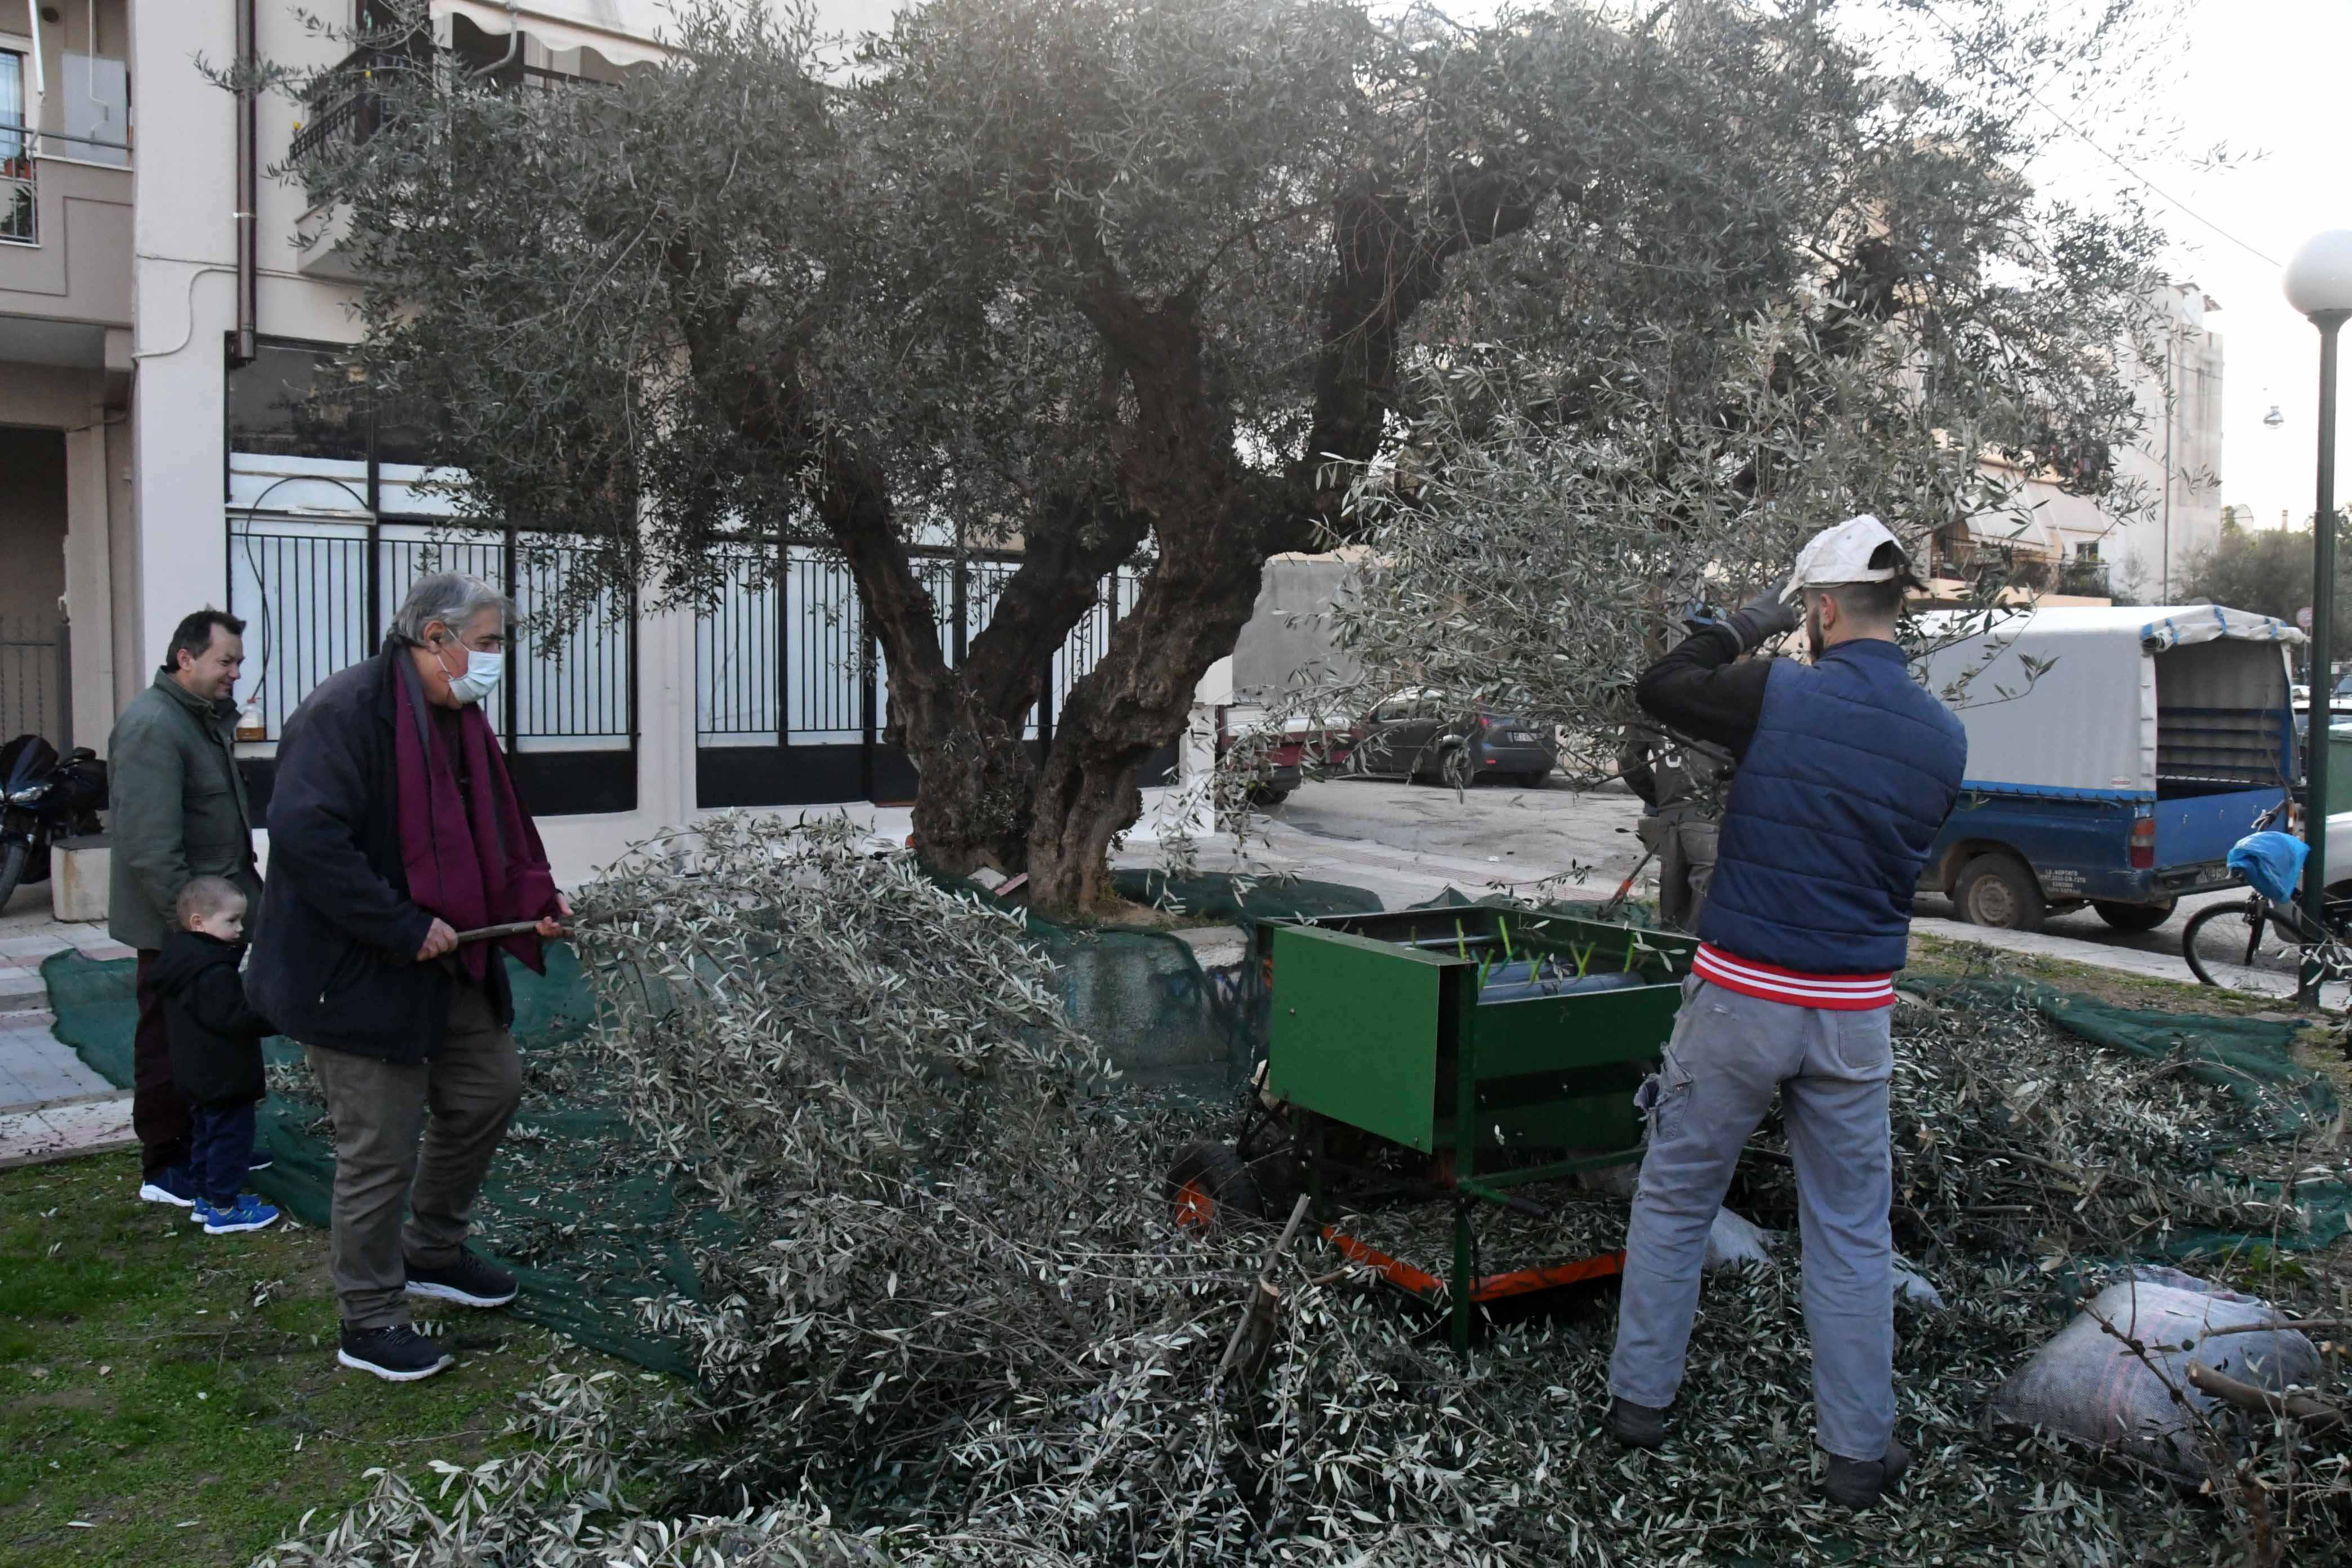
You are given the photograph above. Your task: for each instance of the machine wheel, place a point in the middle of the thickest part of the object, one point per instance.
(1208, 1186)
(2133, 917)
(1453, 769)
(1997, 891)
(1278, 1181)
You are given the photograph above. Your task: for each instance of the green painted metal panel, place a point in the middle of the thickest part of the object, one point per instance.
(1543, 1033)
(1354, 1034)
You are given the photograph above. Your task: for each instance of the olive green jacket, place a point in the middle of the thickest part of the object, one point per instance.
(178, 809)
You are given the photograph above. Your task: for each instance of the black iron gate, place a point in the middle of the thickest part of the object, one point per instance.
(33, 692)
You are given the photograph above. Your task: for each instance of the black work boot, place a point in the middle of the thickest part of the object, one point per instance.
(1859, 1483)
(1635, 1426)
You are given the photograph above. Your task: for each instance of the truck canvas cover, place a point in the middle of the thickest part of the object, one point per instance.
(2116, 702)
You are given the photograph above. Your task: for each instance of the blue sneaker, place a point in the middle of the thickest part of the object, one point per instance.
(174, 1186)
(248, 1213)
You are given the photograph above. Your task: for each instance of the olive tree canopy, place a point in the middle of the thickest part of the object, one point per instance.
(1593, 297)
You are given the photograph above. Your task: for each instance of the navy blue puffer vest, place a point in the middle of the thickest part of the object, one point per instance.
(1852, 770)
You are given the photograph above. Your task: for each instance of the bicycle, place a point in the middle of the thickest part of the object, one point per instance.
(2265, 931)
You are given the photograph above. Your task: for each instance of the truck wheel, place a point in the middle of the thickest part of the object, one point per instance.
(1208, 1186)
(1997, 890)
(2133, 917)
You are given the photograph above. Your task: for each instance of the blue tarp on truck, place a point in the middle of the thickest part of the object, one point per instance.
(2114, 755)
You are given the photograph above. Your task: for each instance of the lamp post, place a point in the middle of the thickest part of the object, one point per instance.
(2319, 284)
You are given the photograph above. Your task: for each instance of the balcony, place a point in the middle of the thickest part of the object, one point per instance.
(2086, 579)
(349, 105)
(65, 244)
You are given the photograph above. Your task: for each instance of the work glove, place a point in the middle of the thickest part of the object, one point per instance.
(1763, 617)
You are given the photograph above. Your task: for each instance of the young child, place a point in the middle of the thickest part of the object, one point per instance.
(216, 1042)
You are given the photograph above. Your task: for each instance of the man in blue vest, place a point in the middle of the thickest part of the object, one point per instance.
(1847, 768)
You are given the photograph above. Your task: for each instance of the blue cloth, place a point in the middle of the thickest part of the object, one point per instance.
(222, 1153)
(1852, 772)
(2272, 863)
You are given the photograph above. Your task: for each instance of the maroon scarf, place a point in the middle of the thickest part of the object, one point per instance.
(472, 856)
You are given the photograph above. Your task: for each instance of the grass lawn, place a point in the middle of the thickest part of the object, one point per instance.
(170, 1397)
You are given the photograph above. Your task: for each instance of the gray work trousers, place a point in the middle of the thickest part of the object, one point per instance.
(422, 1133)
(1684, 840)
(1729, 1052)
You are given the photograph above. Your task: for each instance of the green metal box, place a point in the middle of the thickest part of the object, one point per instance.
(1376, 1024)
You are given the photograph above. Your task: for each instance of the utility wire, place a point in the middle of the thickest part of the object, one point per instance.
(2112, 158)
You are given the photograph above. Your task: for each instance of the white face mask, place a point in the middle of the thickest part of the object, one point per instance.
(480, 678)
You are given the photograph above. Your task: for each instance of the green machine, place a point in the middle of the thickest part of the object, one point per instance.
(1384, 1029)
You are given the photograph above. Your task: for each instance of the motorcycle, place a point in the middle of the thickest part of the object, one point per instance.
(43, 798)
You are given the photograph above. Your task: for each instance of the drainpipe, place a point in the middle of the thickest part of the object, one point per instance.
(248, 188)
(40, 71)
(514, 44)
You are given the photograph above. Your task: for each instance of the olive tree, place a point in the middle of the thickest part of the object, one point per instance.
(1167, 285)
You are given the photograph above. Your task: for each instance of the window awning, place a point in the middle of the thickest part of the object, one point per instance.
(623, 32)
(2006, 528)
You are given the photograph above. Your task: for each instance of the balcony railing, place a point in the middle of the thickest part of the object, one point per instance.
(347, 105)
(2086, 578)
(21, 151)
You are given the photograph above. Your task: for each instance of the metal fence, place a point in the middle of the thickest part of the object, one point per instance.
(32, 679)
(804, 637)
(317, 596)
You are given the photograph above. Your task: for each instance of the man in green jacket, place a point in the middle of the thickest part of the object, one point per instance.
(178, 811)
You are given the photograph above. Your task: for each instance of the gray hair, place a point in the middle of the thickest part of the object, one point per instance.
(450, 597)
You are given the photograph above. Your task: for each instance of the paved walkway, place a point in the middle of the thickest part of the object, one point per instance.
(51, 1106)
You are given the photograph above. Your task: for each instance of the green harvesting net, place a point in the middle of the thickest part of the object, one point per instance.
(594, 1222)
(588, 1224)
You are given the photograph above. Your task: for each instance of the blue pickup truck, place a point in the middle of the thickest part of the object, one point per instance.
(2114, 755)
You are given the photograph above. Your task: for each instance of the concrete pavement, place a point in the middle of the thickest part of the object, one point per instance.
(51, 1105)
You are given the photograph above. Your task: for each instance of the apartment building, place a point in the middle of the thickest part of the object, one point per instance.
(164, 445)
(2071, 548)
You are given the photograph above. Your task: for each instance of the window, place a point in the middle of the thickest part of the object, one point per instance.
(17, 204)
(329, 524)
(2086, 549)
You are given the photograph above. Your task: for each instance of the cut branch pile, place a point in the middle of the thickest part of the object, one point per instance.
(942, 1316)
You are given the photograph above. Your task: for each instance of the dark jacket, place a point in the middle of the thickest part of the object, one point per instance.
(1847, 771)
(335, 961)
(177, 809)
(215, 1037)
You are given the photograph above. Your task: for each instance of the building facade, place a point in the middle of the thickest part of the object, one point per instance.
(2071, 547)
(175, 432)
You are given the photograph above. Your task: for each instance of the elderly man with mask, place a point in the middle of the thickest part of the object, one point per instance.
(1847, 770)
(392, 827)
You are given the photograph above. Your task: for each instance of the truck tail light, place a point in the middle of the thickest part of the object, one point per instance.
(2143, 843)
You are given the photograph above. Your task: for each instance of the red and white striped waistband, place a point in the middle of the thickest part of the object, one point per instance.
(1839, 992)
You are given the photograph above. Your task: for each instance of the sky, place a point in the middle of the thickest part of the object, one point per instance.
(2267, 77)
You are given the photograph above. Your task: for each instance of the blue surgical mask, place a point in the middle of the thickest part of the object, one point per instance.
(481, 677)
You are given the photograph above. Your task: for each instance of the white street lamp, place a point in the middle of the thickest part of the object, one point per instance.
(2318, 283)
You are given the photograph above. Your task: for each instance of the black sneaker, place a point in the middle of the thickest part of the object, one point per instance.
(1635, 1426)
(397, 1355)
(471, 1281)
(261, 1159)
(1859, 1483)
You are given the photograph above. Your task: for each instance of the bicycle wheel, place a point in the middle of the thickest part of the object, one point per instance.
(2220, 937)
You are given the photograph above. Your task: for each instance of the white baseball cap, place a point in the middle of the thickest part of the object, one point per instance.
(1842, 555)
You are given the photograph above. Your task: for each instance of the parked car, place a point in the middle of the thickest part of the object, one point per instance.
(1416, 735)
(1285, 760)
(2114, 755)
